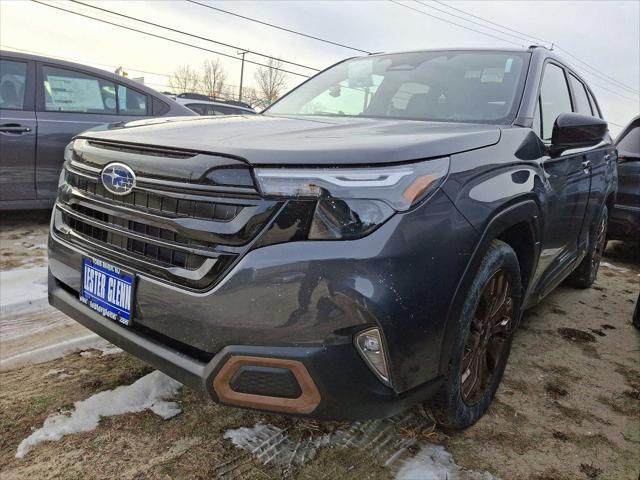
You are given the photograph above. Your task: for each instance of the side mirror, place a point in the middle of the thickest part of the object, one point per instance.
(573, 130)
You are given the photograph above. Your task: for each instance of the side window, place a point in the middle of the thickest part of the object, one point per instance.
(594, 105)
(131, 102)
(580, 100)
(554, 98)
(71, 91)
(13, 78)
(199, 108)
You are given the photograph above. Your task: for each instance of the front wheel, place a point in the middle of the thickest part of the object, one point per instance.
(585, 274)
(485, 329)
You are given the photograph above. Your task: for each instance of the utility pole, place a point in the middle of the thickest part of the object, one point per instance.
(243, 53)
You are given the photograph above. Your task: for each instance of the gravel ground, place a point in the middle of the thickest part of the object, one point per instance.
(568, 408)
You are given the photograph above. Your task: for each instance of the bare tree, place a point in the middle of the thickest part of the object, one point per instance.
(213, 78)
(184, 79)
(271, 81)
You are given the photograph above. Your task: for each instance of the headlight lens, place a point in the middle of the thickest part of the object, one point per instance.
(352, 202)
(399, 186)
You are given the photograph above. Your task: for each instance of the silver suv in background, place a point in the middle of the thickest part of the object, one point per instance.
(45, 102)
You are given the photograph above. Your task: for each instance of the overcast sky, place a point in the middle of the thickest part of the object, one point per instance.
(604, 34)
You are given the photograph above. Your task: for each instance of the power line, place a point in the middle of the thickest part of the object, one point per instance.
(456, 24)
(166, 38)
(493, 23)
(182, 32)
(586, 65)
(280, 28)
(471, 21)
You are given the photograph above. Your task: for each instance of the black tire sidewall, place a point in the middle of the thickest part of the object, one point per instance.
(448, 407)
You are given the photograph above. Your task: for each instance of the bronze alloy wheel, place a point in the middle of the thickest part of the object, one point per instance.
(488, 337)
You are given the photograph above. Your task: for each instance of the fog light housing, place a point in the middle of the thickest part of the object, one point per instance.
(371, 347)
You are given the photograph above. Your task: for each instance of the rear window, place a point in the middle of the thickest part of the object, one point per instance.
(131, 102)
(71, 91)
(580, 100)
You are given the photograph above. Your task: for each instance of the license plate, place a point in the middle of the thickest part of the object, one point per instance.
(107, 290)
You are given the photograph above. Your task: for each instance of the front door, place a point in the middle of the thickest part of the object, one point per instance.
(18, 130)
(569, 180)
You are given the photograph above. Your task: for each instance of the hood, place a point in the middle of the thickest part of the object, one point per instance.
(278, 140)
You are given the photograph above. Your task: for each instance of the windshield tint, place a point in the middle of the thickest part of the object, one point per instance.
(449, 86)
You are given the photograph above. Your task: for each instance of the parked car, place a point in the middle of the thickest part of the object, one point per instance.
(625, 216)
(44, 102)
(204, 105)
(366, 244)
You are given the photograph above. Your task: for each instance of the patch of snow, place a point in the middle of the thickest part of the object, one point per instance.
(149, 392)
(58, 373)
(51, 352)
(433, 462)
(271, 445)
(23, 290)
(106, 349)
(38, 246)
(614, 267)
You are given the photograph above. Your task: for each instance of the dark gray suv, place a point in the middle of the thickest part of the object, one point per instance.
(44, 102)
(367, 243)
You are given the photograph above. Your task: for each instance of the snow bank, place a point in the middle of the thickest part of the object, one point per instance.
(433, 462)
(149, 392)
(23, 290)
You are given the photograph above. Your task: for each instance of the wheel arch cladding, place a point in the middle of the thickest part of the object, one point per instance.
(518, 226)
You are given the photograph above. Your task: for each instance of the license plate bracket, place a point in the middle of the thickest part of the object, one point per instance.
(108, 290)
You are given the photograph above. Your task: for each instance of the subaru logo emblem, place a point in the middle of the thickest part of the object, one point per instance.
(118, 178)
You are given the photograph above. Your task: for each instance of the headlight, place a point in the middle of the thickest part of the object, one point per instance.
(352, 202)
(398, 186)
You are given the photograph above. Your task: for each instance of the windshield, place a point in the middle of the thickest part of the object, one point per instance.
(447, 86)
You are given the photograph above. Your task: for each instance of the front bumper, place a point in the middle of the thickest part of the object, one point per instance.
(303, 301)
(333, 368)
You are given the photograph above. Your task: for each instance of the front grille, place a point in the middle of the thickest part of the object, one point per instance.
(165, 255)
(220, 212)
(161, 229)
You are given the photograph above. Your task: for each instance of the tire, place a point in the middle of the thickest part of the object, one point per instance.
(636, 314)
(458, 404)
(585, 274)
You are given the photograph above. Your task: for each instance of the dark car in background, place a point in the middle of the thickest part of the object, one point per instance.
(366, 244)
(44, 102)
(624, 223)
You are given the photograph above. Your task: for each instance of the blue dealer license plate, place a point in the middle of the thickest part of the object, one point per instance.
(107, 290)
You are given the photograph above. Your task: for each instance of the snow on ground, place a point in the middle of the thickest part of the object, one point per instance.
(273, 445)
(149, 392)
(614, 267)
(56, 350)
(433, 462)
(31, 331)
(23, 290)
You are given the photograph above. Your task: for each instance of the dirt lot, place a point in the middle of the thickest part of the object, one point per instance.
(569, 407)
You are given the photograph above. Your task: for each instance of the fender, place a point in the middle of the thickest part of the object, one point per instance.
(510, 215)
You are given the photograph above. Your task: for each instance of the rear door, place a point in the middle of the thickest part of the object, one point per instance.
(71, 101)
(18, 129)
(599, 159)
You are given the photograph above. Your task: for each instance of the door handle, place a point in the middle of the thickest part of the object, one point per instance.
(586, 165)
(14, 128)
